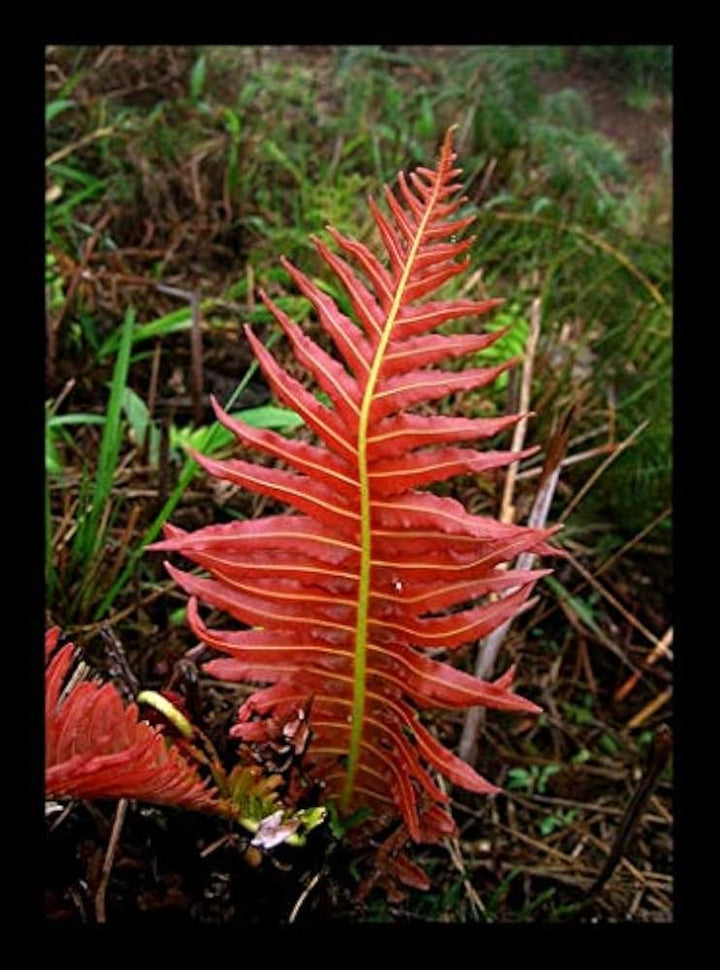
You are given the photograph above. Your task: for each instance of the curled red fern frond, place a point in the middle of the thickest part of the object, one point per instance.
(97, 747)
(347, 601)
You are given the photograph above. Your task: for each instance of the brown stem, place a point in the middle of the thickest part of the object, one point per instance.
(196, 369)
(100, 914)
(657, 760)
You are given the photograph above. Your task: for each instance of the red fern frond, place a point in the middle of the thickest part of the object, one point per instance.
(97, 747)
(344, 599)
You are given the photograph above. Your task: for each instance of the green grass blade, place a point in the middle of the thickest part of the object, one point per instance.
(181, 319)
(110, 442)
(54, 108)
(136, 411)
(273, 151)
(50, 572)
(197, 78)
(171, 323)
(57, 420)
(266, 416)
(83, 504)
(186, 476)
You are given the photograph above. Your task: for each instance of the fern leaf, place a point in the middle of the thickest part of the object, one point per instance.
(343, 597)
(97, 747)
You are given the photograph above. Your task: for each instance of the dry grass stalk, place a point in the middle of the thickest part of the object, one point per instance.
(570, 460)
(657, 760)
(616, 452)
(196, 369)
(455, 851)
(662, 648)
(632, 542)
(53, 326)
(650, 708)
(507, 509)
(490, 646)
(632, 620)
(80, 143)
(120, 811)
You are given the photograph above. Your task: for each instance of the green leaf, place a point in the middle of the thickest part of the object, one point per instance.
(232, 125)
(340, 825)
(266, 416)
(519, 778)
(580, 607)
(425, 124)
(283, 159)
(547, 825)
(53, 465)
(89, 535)
(545, 774)
(177, 617)
(609, 744)
(136, 411)
(270, 416)
(54, 108)
(186, 476)
(197, 77)
(57, 420)
(171, 323)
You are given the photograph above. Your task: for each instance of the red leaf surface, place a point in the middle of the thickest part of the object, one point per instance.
(97, 747)
(341, 599)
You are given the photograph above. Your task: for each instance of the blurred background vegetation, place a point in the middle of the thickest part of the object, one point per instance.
(181, 174)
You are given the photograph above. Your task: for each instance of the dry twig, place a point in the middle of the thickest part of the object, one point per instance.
(80, 143)
(120, 811)
(661, 648)
(196, 382)
(490, 646)
(616, 452)
(657, 760)
(649, 709)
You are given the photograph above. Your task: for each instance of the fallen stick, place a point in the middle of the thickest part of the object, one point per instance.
(615, 454)
(100, 914)
(660, 649)
(654, 705)
(490, 646)
(657, 760)
(507, 509)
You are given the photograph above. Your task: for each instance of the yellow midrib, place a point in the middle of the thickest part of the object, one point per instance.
(363, 604)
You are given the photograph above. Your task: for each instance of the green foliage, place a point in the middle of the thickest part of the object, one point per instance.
(197, 77)
(556, 820)
(54, 433)
(648, 64)
(54, 285)
(582, 714)
(532, 779)
(254, 795)
(267, 416)
(340, 825)
(55, 108)
(206, 445)
(512, 344)
(89, 535)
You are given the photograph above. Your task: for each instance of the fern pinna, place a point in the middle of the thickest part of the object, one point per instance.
(348, 600)
(96, 745)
